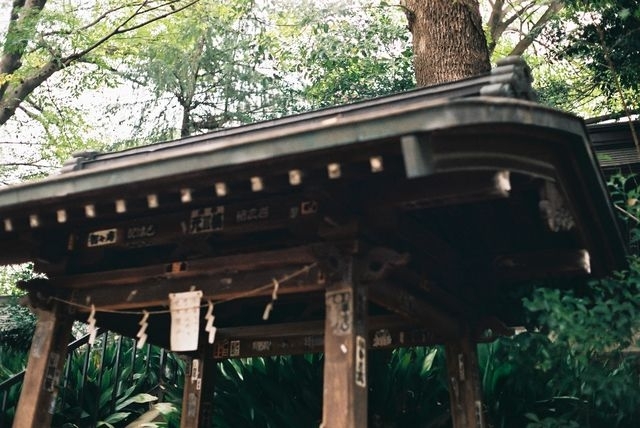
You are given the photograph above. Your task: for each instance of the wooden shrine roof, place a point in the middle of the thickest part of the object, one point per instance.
(448, 194)
(614, 145)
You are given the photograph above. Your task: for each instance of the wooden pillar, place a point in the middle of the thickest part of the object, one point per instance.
(46, 360)
(345, 352)
(465, 388)
(197, 397)
(208, 390)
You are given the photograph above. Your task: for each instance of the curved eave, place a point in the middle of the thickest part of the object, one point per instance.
(435, 136)
(389, 121)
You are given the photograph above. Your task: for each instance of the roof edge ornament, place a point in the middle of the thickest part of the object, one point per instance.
(511, 78)
(77, 159)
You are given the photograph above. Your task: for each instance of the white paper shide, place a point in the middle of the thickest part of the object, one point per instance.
(185, 320)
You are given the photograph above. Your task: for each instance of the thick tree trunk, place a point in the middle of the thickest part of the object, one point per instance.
(448, 40)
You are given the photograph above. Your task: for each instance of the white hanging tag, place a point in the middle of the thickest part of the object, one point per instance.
(142, 333)
(267, 311)
(274, 297)
(185, 320)
(91, 328)
(210, 328)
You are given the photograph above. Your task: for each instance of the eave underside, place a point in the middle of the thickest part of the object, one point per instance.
(446, 204)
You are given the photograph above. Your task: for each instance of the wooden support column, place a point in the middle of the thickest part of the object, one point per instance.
(345, 350)
(208, 389)
(465, 388)
(197, 398)
(46, 360)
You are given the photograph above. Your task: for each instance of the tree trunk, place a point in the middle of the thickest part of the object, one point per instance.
(448, 40)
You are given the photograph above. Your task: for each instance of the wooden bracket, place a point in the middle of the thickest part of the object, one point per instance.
(399, 299)
(554, 208)
(379, 262)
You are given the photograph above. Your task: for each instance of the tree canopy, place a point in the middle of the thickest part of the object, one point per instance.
(120, 73)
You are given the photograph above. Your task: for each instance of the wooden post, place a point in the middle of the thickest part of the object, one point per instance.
(345, 353)
(197, 397)
(465, 388)
(46, 360)
(208, 389)
(191, 393)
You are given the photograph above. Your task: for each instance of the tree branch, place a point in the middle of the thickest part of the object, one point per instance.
(518, 14)
(17, 92)
(14, 92)
(498, 24)
(122, 29)
(16, 164)
(494, 23)
(554, 7)
(15, 44)
(89, 25)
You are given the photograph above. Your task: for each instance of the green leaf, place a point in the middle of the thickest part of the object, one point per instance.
(138, 399)
(427, 363)
(114, 418)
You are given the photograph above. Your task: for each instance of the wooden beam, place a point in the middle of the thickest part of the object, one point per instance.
(542, 264)
(175, 221)
(444, 189)
(189, 268)
(345, 364)
(46, 360)
(434, 254)
(464, 383)
(220, 286)
(385, 332)
(401, 300)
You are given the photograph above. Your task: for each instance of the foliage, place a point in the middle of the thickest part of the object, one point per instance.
(567, 85)
(408, 387)
(108, 384)
(580, 358)
(96, 390)
(50, 53)
(504, 363)
(513, 27)
(17, 323)
(269, 392)
(12, 361)
(591, 378)
(44, 37)
(11, 275)
(222, 64)
(625, 196)
(609, 38)
(348, 52)
(206, 69)
(599, 41)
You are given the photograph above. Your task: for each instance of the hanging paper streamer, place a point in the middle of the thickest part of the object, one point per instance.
(210, 328)
(142, 333)
(91, 328)
(185, 320)
(274, 297)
